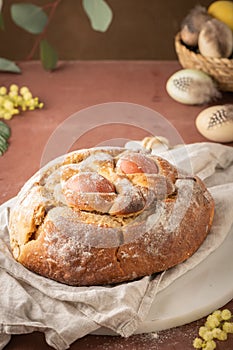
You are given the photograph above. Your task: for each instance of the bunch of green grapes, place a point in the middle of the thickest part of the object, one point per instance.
(217, 326)
(16, 100)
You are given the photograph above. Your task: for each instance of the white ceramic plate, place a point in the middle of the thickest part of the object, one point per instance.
(195, 294)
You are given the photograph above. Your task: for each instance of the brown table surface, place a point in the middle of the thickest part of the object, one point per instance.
(72, 87)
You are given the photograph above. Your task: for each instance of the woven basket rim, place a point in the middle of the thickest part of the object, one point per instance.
(220, 69)
(211, 60)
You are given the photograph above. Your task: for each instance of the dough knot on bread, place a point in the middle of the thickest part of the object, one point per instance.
(122, 186)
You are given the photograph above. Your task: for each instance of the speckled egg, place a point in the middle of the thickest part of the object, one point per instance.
(192, 87)
(216, 123)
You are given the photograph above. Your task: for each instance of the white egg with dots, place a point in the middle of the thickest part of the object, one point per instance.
(192, 87)
(216, 123)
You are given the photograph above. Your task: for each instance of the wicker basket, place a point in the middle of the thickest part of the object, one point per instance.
(221, 69)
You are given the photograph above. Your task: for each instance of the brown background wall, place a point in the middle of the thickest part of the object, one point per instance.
(141, 29)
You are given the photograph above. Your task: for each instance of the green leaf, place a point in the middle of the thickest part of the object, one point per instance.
(8, 66)
(99, 13)
(29, 17)
(48, 55)
(1, 22)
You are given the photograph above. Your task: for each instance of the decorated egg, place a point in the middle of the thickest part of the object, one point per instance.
(192, 86)
(216, 123)
(215, 39)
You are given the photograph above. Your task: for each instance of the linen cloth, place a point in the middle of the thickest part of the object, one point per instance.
(29, 302)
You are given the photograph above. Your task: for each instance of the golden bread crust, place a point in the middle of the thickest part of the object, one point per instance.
(103, 216)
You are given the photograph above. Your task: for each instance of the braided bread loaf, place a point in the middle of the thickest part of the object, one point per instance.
(107, 215)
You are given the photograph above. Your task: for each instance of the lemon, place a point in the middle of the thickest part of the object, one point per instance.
(222, 10)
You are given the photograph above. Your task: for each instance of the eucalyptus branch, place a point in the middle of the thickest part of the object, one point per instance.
(36, 19)
(41, 36)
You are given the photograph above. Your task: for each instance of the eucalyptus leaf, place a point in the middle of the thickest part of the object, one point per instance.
(1, 21)
(48, 55)
(29, 17)
(8, 66)
(1, 3)
(99, 13)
